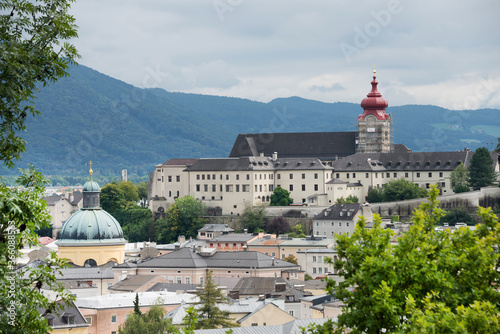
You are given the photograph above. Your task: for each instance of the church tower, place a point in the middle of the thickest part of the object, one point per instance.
(374, 125)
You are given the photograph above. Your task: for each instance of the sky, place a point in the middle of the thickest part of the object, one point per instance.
(444, 53)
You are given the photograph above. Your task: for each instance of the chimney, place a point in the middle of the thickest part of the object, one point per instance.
(177, 246)
(71, 197)
(245, 231)
(275, 156)
(181, 238)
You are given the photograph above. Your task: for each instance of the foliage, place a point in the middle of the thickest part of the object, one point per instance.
(291, 258)
(459, 179)
(307, 277)
(429, 275)
(326, 328)
(375, 195)
(137, 308)
(22, 211)
(297, 231)
(137, 223)
(253, 218)
(280, 197)
(278, 225)
(33, 51)
(129, 191)
(182, 218)
(112, 198)
(142, 189)
(457, 215)
(152, 322)
(402, 189)
(190, 320)
(350, 199)
(209, 314)
(481, 172)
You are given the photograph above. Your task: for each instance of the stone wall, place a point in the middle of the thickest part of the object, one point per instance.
(235, 222)
(486, 197)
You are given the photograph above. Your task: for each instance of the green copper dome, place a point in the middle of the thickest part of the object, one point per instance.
(91, 186)
(91, 227)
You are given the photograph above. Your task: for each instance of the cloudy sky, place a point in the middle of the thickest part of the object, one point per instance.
(445, 53)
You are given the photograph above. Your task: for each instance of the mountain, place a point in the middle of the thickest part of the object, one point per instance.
(91, 116)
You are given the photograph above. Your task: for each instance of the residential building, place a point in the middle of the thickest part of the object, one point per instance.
(312, 261)
(312, 307)
(66, 320)
(136, 283)
(61, 207)
(210, 231)
(341, 219)
(294, 245)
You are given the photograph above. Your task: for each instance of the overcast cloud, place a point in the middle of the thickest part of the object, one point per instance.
(426, 52)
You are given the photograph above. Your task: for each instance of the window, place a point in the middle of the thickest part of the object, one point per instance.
(314, 270)
(208, 177)
(171, 279)
(237, 188)
(113, 319)
(198, 176)
(271, 187)
(279, 176)
(440, 174)
(315, 175)
(367, 175)
(315, 187)
(88, 320)
(291, 187)
(248, 176)
(303, 187)
(169, 193)
(187, 279)
(213, 176)
(237, 176)
(406, 175)
(314, 258)
(340, 224)
(179, 280)
(320, 270)
(177, 178)
(260, 187)
(347, 175)
(291, 176)
(353, 175)
(291, 313)
(255, 324)
(347, 224)
(337, 175)
(197, 187)
(256, 188)
(201, 280)
(430, 174)
(227, 176)
(214, 187)
(205, 187)
(169, 178)
(333, 224)
(203, 176)
(303, 176)
(387, 174)
(418, 174)
(273, 254)
(395, 175)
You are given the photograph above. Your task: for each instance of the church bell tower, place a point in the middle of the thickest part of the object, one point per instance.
(374, 125)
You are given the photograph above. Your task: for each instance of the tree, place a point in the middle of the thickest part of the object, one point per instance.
(375, 195)
(481, 172)
(33, 52)
(136, 223)
(137, 309)
(129, 191)
(399, 190)
(152, 322)
(350, 199)
(278, 225)
(429, 276)
(182, 218)
(253, 218)
(459, 179)
(457, 215)
(280, 197)
(142, 189)
(210, 298)
(112, 198)
(291, 258)
(297, 231)
(23, 211)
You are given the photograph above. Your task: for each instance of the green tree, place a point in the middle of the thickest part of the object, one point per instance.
(457, 215)
(428, 276)
(142, 189)
(253, 218)
(210, 298)
(112, 198)
(137, 308)
(136, 223)
(399, 190)
(152, 322)
(375, 195)
(459, 179)
(350, 199)
(280, 197)
(129, 191)
(297, 231)
(481, 172)
(279, 225)
(184, 217)
(23, 211)
(291, 258)
(33, 52)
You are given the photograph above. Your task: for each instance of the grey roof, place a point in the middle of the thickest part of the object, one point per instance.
(189, 258)
(126, 299)
(314, 284)
(292, 327)
(233, 237)
(60, 317)
(257, 163)
(319, 299)
(173, 287)
(318, 250)
(132, 283)
(324, 145)
(403, 161)
(52, 200)
(85, 273)
(339, 212)
(308, 242)
(257, 285)
(216, 228)
(180, 162)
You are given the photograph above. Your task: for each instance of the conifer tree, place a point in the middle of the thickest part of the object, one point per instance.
(137, 309)
(481, 172)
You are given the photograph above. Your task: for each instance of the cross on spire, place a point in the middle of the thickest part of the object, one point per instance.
(90, 171)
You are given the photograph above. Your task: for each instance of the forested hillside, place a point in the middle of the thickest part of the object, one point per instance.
(91, 116)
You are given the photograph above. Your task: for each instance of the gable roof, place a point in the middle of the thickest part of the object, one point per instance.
(215, 228)
(132, 283)
(60, 317)
(189, 258)
(257, 285)
(180, 162)
(292, 327)
(324, 145)
(339, 212)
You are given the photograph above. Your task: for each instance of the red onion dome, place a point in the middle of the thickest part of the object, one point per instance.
(374, 103)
